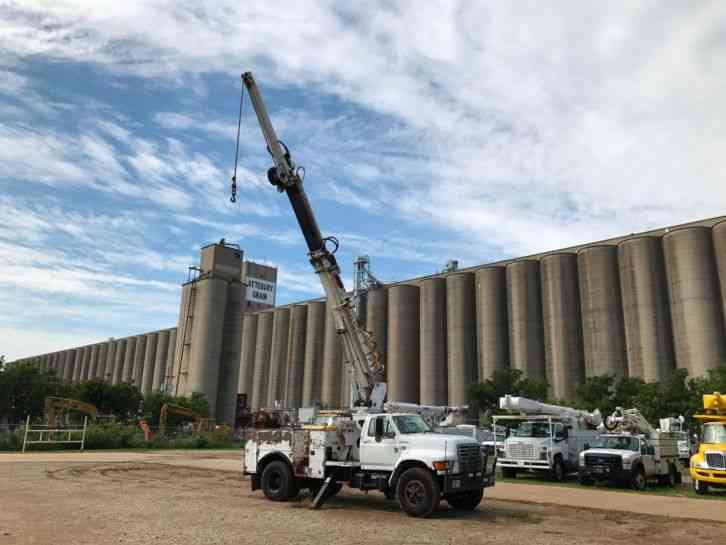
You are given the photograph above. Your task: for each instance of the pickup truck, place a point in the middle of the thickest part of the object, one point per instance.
(631, 459)
(394, 453)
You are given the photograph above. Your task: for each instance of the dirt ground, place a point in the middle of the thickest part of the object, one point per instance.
(56, 502)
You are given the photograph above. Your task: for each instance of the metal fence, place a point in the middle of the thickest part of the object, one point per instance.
(44, 435)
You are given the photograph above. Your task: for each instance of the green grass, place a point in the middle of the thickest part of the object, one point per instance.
(679, 491)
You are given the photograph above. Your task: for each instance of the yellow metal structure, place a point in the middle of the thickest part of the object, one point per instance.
(708, 465)
(200, 423)
(55, 406)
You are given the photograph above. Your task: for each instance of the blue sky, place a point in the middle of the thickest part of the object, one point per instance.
(466, 130)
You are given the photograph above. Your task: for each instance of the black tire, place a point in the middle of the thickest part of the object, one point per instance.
(557, 473)
(278, 482)
(678, 476)
(668, 479)
(418, 492)
(466, 501)
(509, 473)
(700, 487)
(584, 480)
(637, 479)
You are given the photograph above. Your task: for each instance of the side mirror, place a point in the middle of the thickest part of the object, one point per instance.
(587, 446)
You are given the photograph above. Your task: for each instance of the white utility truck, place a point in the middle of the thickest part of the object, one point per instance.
(368, 446)
(542, 437)
(676, 426)
(632, 453)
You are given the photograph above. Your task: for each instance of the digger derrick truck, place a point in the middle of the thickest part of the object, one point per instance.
(632, 452)
(366, 446)
(543, 438)
(708, 465)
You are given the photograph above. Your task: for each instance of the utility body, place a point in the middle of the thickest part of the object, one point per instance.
(632, 453)
(367, 446)
(542, 437)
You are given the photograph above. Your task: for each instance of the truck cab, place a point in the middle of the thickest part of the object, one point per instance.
(708, 465)
(543, 443)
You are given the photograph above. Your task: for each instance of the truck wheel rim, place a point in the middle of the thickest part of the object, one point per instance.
(275, 482)
(639, 481)
(415, 492)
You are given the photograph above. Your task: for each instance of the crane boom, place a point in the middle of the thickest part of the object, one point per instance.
(358, 344)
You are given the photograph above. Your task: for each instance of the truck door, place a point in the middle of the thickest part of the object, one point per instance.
(379, 451)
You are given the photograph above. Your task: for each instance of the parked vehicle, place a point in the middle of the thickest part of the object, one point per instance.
(544, 438)
(708, 465)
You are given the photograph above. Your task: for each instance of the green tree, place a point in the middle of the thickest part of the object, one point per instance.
(23, 389)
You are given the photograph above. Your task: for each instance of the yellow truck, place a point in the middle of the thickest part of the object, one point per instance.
(708, 465)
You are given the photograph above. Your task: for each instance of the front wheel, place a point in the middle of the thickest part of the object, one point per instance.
(637, 480)
(418, 493)
(467, 501)
(558, 471)
(509, 473)
(700, 487)
(585, 480)
(278, 482)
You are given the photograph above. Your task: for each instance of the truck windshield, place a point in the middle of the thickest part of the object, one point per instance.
(617, 443)
(411, 423)
(714, 433)
(532, 429)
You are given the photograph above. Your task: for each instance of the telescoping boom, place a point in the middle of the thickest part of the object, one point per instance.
(358, 344)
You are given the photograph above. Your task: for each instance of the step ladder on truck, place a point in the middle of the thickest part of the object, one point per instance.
(365, 446)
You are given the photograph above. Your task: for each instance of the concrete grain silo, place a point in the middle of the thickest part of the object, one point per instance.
(296, 356)
(695, 299)
(492, 321)
(110, 361)
(206, 344)
(603, 331)
(147, 375)
(168, 383)
(562, 324)
(277, 375)
(118, 362)
(78, 364)
(229, 365)
(128, 365)
(69, 365)
(332, 363)
(461, 357)
(263, 347)
(178, 372)
(139, 358)
(93, 362)
(247, 356)
(160, 359)
(403, 343)
(524, 311)
(646, 313)
(377, 319)
(433, 386)
(719, 244)
(102, 359)
(314, 348)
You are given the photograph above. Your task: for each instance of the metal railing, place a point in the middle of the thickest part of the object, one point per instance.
(49, 436)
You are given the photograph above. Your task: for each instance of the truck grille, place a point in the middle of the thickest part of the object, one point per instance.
(716, 460)
(470, 458)
(608, 462)
(522, 451)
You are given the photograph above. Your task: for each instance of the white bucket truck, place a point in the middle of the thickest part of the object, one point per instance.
(544, 438)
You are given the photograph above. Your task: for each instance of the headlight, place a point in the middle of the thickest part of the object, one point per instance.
(500, 453)
(444, 465)
(543, 453)
(701, 464)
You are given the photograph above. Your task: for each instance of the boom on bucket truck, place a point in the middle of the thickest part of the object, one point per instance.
(365, 446)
